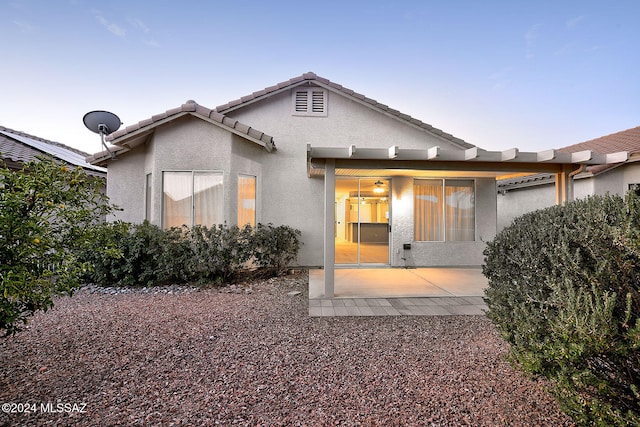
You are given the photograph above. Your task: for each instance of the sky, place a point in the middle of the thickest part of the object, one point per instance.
(535, 74)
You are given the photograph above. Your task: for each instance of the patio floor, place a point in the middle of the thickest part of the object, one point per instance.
(396, 292)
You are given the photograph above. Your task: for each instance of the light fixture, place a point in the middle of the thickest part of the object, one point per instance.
(378, 187)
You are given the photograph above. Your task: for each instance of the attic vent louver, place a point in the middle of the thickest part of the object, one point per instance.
(310, 102)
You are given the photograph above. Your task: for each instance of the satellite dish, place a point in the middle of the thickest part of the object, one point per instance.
(102, 123)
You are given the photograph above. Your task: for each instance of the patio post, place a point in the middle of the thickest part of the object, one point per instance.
(564, 185)
(329, 219)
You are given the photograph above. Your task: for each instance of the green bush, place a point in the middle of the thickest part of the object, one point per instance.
(219, 252)
(146, 255)
(564, 291)
(48, 212)
(275, 248)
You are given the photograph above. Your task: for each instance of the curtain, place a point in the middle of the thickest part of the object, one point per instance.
(208, 198)
(191, 198)
(176, 191)
(428, 218)
(459, 210)
(246, 200)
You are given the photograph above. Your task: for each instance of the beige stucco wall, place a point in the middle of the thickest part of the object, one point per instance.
(291, 198)
(285, 193)
(520, 201)
(184, 145)
(439, 253)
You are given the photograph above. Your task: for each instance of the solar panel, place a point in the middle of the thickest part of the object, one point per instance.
(56, 151)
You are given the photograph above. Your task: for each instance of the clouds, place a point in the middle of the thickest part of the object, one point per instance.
(113, 28)
(135, 25)
(531, 38)
(574, 22)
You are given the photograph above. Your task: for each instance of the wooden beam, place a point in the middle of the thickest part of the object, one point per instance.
(433, 152)
(393, 151)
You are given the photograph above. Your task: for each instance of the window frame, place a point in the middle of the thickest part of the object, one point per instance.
(192, 215)
(255, 199)
(443, 224)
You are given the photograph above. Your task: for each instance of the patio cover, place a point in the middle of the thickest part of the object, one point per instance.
(394, 160)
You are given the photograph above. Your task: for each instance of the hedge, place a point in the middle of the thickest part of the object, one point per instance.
(146, 255)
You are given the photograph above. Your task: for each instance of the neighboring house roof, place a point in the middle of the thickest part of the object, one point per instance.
(312, 78)
(626, 140)
(18, 147)
(136, 134)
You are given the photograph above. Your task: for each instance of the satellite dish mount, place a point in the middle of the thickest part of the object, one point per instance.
(102, 123)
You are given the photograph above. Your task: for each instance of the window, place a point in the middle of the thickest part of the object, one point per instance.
(147, 197)
(310, 102)
(246, 200)
(192, 198)
(444, 210)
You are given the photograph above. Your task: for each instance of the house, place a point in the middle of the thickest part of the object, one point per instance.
(366, 184)
(524, 194)
(17, 148)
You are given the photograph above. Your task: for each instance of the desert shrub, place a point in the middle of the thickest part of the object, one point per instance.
(137, 255)
(564, 291)
(274, 248)
(146, 255)
(219, 252)
(48, 212)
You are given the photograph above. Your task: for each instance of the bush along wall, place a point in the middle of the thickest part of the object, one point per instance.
(564, 291)
(146, 255)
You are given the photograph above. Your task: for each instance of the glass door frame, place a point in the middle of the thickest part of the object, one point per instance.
(377, 214)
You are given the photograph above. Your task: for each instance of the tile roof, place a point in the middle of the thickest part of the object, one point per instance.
(312, 77)
(20, 147)
(193, 108)
(626, 140)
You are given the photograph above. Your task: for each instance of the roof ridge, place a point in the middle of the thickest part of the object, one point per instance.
(46, 141)
(308, 76)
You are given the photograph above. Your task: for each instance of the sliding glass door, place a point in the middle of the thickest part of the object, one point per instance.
(362, 221)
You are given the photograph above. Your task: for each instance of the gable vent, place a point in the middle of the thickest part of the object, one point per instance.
(310, 102)
(301, 101)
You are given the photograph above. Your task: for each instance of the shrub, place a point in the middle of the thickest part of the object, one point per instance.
(275, 248)
(137, 255)
(47, 215)
(564, 291)
(219, 252)
(146, 255)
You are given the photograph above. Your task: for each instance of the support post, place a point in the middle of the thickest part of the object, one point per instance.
(564, 185)
(329, 224)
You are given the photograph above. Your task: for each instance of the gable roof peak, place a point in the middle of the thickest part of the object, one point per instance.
(332, 86)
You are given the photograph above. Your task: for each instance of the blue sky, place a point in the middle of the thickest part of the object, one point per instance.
(499, 74)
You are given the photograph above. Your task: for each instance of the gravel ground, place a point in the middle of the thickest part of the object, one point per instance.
(250, 355)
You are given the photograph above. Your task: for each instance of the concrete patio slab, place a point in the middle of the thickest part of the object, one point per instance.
(399, 292)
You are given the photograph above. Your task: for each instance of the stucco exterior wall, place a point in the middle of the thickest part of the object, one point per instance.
(290, 197)
(518, 202)
(126, 186)
(442, 254)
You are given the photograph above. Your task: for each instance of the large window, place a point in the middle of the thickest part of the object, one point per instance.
(246, 200)
(192, 198)
(444, 210)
